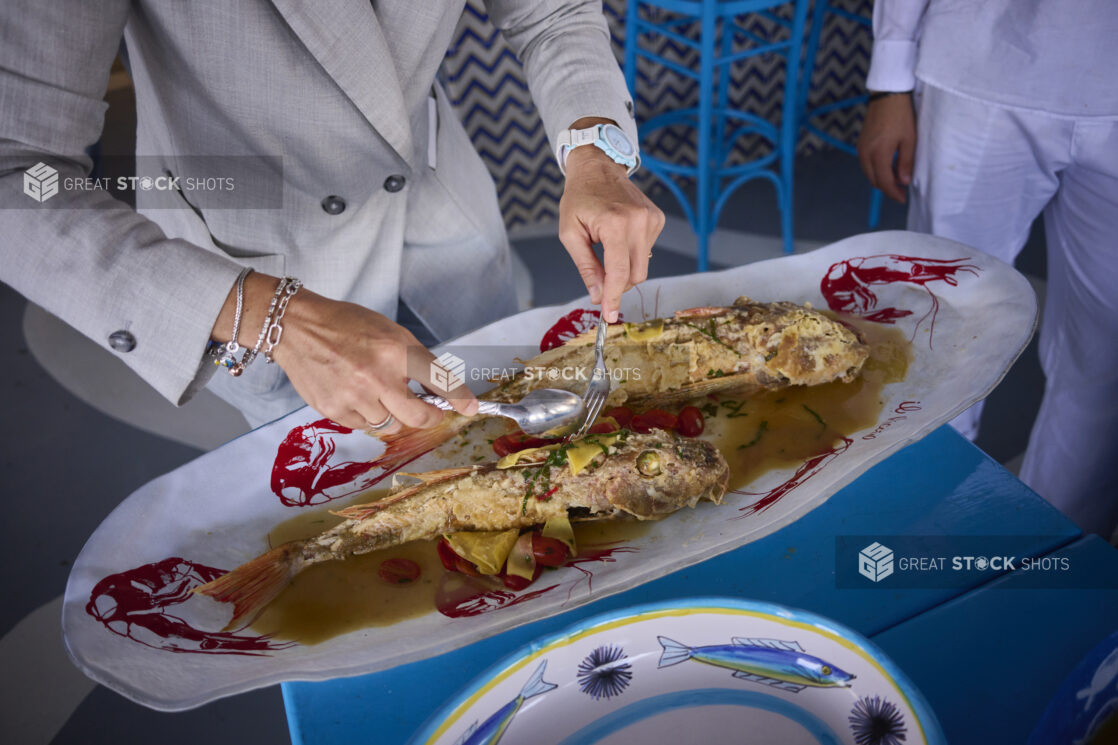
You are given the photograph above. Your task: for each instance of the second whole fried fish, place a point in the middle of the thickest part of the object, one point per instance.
(743, 349)
(622, 475)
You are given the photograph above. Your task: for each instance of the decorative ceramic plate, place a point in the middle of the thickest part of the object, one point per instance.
(1084, 710)
(693, 670)
(131, 623)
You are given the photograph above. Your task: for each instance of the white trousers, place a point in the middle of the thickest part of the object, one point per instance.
(982, 175)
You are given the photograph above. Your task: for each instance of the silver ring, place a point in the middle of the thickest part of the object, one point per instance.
(388, 422)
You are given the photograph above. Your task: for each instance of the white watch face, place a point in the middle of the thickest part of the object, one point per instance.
(618, 141)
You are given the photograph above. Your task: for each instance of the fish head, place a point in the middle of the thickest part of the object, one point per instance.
(653, 475)
(824, 673)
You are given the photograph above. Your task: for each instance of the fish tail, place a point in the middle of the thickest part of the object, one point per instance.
(409, 443)
(674, 652)
(251, 586)
(536, 684)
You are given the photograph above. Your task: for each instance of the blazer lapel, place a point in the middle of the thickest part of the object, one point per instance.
(348, 41)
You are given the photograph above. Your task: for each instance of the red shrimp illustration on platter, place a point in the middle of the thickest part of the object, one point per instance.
(848, 285)
(578, 321)
(304, 472)
(135, 604)
(807, 469)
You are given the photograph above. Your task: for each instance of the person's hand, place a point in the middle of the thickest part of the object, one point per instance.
(601, 205)
(889, 130)
(349, 363)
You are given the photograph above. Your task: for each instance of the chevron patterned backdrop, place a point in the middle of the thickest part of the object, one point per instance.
(486, 84)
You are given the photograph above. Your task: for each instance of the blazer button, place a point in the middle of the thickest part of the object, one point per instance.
(394, 183)
(333, 205)
(122, 341)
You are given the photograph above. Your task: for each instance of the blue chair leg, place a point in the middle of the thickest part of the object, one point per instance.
(631, 34)
(727, 46)
(789, 127)
(818, 17)
(707, 191)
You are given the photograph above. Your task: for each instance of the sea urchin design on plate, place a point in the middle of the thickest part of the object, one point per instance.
(604, 673)
(875, 721)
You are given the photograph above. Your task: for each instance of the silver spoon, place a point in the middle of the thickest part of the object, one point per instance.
(536, 413)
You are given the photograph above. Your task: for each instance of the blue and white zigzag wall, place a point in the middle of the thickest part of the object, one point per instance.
(486, 84)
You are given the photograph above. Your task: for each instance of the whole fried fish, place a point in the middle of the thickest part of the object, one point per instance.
(633, 476)
(743, 349)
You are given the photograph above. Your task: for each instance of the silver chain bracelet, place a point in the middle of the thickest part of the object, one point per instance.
(275, 330)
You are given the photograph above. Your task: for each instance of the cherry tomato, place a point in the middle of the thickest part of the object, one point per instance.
(465, 567)
(399, 571)
(640, 425)
(517, 441)
(690, 422)
(515, 582)
(620, 414)
(447, 556)
(659, 419)
(602, 428)
(549, 552)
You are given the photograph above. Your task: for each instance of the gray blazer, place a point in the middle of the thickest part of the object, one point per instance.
(350, 169)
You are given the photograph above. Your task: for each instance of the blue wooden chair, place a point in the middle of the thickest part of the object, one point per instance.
(806, 116)
(718, 125)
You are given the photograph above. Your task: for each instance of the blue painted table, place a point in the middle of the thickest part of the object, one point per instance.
(941, 485)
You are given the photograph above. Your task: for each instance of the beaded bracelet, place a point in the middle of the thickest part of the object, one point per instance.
(223, 354)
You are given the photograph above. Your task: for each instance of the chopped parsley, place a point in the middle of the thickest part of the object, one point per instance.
(757, 437)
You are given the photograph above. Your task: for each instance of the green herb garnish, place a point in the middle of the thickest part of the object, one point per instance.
(757, 437)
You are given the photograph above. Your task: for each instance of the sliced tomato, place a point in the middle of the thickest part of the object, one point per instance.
(549, 552)
(620, 414)
(640, 425)
(399, 571)
(660, 419)
(690, 422)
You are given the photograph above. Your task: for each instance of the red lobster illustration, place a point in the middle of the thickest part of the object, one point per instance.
(303, 473)
(134, 604)
(569, 326)
(847, 285)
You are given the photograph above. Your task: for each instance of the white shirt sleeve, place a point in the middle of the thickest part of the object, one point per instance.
(896, 28)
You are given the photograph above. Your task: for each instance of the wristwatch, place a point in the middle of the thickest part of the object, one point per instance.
(609, 138)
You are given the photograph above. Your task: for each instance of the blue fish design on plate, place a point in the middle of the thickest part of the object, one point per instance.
(774, 662)
(490, 731)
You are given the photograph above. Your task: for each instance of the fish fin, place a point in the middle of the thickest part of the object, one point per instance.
(770, 643)
(254, 584)
(703, 311)
(465, 736)
(781, 684)
(536, 684)
(786, 686)
(410, 443)
(674, 652)
(362, 511)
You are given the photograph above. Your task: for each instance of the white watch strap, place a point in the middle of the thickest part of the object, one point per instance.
(569, 139)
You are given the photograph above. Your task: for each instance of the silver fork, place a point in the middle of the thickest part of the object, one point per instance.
(597, 390)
